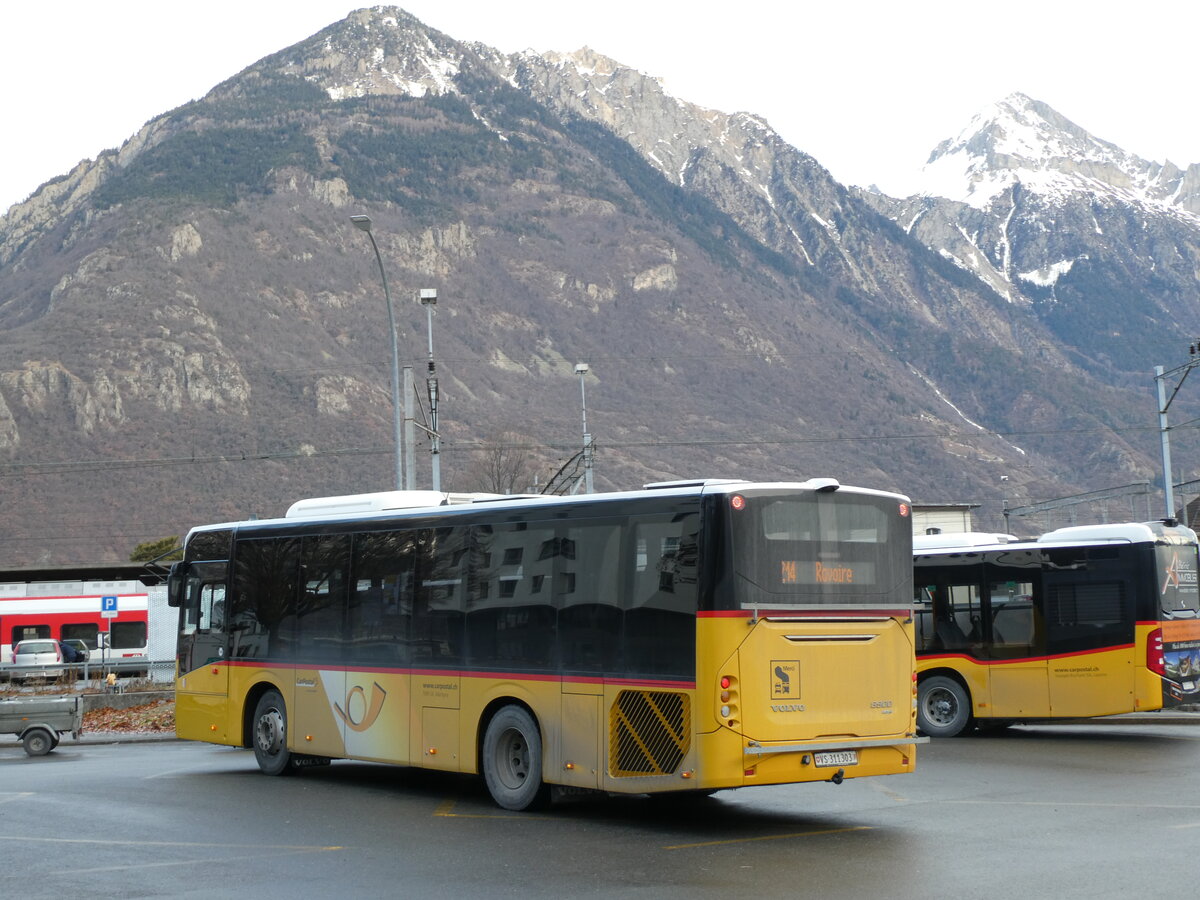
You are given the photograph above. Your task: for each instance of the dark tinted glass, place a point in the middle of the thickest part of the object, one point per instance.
(262, 614)
(821, 549)
(589, 589)
(381, 597)
(440, 598)
(321, 608)
(209, 545)
(127, 635)
(660, 618)
(510, 622)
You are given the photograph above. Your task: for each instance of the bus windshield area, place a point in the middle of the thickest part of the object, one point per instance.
(820, 550)
(1179, 587)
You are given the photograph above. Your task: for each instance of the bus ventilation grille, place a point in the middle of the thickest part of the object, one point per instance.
(650, 732)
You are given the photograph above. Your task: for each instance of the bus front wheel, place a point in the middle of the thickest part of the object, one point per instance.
(512, 760)
(270, 735)
(943, 707)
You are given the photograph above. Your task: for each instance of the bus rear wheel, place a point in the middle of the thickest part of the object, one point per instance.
(512, 760)
(943, 707)
(270, 735)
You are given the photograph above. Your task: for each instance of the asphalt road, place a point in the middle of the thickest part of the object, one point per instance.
(1090, 811)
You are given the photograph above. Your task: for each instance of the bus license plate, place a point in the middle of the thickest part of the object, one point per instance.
(837, 758)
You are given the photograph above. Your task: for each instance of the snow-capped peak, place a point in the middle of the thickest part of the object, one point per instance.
(1022, 140)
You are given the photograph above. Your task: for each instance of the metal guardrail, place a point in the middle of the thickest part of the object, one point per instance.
(121, 666)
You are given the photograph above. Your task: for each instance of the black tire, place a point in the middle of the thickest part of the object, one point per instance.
(38, 741)
(943, 707)
(512, 760)
(269, 735)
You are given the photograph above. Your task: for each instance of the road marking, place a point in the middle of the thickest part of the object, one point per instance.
(445, 810)
(769, 837)
(888, 792)
(1064, 803)
(141, 843)
(1187, 825)
(19, 795)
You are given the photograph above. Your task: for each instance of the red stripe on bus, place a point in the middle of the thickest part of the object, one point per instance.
(773, 612)
(458, 673)
(1023, 659)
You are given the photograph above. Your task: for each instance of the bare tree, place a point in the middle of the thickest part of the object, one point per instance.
(504, 465)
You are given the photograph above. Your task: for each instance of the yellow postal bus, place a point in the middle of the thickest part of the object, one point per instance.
(690, 636)
(1085, 621)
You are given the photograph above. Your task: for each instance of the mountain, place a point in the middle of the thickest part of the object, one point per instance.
(192, 330)
(1101, 246)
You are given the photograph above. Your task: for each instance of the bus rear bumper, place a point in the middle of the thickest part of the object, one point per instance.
(829, 760)
(756, 749)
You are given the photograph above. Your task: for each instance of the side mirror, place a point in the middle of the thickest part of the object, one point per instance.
(176, 584)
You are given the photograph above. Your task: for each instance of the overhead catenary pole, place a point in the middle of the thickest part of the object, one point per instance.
(428, 298)
(363, 223)
(1165, 441)
(581, 369)
(1164, 403)
(410, 443)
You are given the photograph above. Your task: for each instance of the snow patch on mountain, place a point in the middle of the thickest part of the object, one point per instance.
(1021, 141)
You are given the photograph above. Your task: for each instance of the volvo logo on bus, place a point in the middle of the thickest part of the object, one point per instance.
(787, 707)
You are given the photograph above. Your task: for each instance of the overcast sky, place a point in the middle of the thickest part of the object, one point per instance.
(868, 87)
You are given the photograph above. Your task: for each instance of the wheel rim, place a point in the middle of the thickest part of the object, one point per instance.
(38, 743)
(941, 707)
(512, 759)
(269, 733)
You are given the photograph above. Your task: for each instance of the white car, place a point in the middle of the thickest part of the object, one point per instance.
(37, 658)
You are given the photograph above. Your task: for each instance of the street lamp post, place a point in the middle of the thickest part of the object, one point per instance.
(429, 301)
(581, 369)
(363, 223)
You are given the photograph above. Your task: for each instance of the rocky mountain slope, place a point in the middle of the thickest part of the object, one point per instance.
(1100, 246)
(191, 329)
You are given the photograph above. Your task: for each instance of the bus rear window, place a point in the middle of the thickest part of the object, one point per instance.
(819, 550)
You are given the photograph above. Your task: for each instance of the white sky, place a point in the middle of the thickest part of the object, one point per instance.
(868, 87)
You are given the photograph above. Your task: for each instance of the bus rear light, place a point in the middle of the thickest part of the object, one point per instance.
(1155, 661)
(728, 710)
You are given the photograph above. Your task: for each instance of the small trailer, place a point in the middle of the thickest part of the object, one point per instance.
(39, 722)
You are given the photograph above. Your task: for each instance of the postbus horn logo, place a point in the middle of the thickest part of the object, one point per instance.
(356, 700)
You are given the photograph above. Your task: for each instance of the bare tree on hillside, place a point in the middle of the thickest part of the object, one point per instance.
(504, 465)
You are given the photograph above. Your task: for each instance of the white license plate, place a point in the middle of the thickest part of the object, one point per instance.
(837, 758)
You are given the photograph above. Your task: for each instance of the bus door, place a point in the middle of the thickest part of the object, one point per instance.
(1014, 636)
(1089, 637)
(203, 630)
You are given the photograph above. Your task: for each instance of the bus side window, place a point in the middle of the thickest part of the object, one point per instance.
(958, 627)
(660, 620)
(1012, 614)
(212, 606)
(923, 613)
